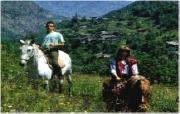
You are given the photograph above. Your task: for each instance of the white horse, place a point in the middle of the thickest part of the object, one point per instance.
(30, 49)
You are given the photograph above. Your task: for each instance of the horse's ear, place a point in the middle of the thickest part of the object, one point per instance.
(32, 42)
(22, 41)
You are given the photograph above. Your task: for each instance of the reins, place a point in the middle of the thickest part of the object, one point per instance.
(43, 51)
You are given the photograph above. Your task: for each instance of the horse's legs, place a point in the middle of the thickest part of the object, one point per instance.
(69, 79)
(47, 85)
(61, 81)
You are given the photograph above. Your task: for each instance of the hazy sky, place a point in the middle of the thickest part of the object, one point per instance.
(83, 8)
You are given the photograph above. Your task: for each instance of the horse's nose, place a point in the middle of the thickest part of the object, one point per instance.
(21, 64)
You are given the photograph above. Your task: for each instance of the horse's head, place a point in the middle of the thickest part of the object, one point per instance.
(26, 51)
(139, 90)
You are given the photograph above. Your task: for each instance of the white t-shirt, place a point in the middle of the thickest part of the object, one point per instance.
(53, 38)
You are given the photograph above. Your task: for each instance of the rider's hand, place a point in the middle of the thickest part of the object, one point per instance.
(51, 45)
(117, 78)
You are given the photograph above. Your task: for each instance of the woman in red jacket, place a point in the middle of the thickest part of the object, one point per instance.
(123, 66)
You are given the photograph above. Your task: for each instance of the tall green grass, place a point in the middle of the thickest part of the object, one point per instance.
(19, 93)
(164, 98)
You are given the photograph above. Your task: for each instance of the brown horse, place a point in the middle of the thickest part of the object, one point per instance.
(127, 96)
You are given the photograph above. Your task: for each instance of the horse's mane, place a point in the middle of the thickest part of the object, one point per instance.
(141, 82)
(38, 49)
(134, 79)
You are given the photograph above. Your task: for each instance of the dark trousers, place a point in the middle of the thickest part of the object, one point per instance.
(53, 60)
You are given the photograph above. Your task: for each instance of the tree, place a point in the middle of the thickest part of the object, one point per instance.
(75, 22)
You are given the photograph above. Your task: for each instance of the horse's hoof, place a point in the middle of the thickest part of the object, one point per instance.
(56, 90)
(46, 87)
(70, 94)
(60, 91)
(61, 88)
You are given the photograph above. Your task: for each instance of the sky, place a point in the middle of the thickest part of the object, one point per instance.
(82, 8)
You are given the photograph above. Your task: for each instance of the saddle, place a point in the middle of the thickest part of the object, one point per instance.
(118, 88)
(59, 61)
(114, 88)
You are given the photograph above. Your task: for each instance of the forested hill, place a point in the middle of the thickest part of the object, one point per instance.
(162, 13)
(144, 26)
(21, 18)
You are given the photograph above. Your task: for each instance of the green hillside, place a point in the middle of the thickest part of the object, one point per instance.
(23, 93)
(144, 26)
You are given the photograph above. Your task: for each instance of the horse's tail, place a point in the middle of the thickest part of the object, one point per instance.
(145, 86)
(141, 82)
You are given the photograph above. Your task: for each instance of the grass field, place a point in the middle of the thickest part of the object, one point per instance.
(22, 94)
(27, 96)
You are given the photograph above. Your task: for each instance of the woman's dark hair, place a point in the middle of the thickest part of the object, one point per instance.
(50, 22)
(119, 54)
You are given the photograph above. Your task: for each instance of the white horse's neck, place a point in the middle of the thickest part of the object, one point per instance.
(41, 63)
(39, 56)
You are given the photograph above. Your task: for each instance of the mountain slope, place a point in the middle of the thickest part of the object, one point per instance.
(20, 18)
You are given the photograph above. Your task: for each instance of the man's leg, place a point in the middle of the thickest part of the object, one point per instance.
(54, 60)
(57, 71)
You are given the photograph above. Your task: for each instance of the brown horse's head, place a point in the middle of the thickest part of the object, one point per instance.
(138, 90)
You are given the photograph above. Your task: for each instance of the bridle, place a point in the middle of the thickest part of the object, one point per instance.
(29, 57)
(25, 59)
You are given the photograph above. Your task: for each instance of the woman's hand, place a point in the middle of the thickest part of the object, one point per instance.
(118, 78)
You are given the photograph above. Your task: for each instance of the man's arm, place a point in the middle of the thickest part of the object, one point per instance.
(57, 45)
(60, 43)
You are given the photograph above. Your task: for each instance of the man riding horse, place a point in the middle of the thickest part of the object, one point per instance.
(50, 60)
(53, 42)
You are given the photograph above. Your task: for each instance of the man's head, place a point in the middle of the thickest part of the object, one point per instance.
(50, 26)
(123, 52)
